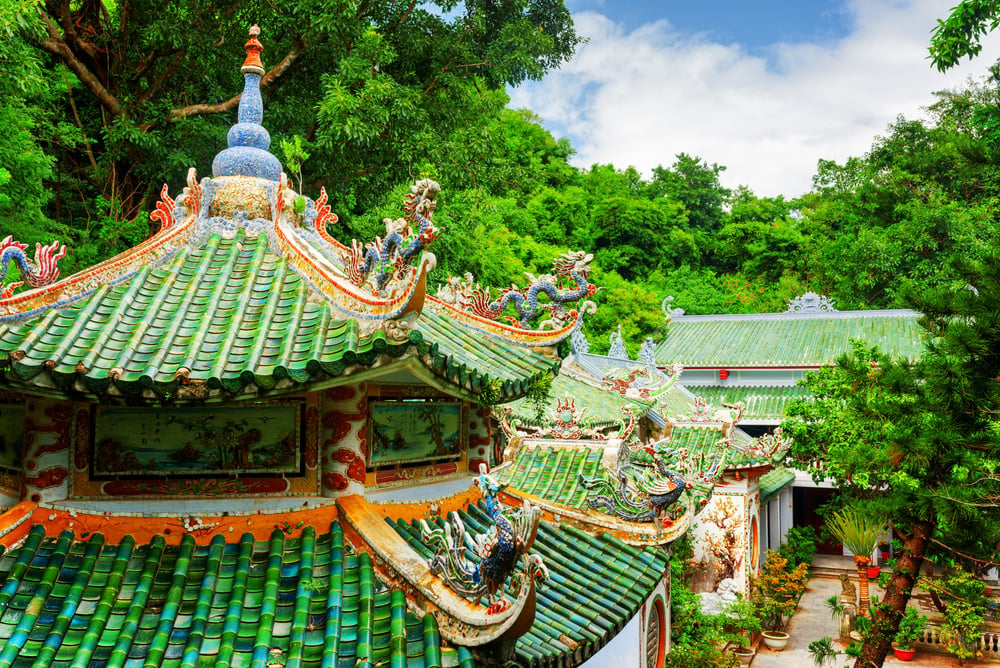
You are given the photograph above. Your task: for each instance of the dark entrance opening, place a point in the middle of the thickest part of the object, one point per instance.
(806, 502)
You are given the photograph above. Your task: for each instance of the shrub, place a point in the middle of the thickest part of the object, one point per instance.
(911, 628)
(777, 590)
(799, 546)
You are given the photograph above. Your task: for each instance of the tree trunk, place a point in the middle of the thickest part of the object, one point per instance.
(885, 621)
(863, 595)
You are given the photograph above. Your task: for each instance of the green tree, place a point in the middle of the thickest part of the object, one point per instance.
(374, 88)
(960, 34)
(919, 440)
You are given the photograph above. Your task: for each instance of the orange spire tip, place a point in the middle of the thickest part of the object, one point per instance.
(254, 47)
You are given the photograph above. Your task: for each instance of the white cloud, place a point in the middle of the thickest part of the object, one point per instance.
(639, 98)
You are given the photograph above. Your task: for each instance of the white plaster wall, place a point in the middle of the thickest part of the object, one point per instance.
(729, 506)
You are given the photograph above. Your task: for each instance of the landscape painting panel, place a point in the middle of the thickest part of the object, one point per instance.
(414, 431)
(262, 438)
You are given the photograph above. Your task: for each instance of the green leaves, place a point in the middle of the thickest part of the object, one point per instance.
(959, 35)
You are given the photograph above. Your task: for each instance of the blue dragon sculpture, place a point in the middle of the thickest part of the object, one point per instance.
(574, 264)
(42, 271)
(390, 255)
(499, 550)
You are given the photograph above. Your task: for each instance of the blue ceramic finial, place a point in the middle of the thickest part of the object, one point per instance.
(247, 154)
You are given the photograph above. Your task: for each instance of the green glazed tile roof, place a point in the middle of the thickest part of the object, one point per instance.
(761, 403)
(461, 353)
(554, 474)
(705, 437)
(675, 402)
(603, 406)
(785, 339)
(229, 313)
(774, 481)
(587, 606)
(69, 603)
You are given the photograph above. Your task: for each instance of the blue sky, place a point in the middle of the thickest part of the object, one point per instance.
(755, 25)
(764, 88)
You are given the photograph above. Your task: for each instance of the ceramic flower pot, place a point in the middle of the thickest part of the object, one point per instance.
(775, 640)
(904, 654)
(873, 572)
(743, 654)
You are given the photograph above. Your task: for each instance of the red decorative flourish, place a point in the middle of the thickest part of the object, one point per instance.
(62, 418)
(47, 478)
(335, 481)
(342, 393)
(324, 217)
(217, 487)
(356, 471)
(164, 210)
(344, 456)
(339, 424)
(433, 471)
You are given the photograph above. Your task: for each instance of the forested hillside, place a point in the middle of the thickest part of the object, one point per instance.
(103, 101)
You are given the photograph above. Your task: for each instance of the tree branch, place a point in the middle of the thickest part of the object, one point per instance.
(267, 80)
(58, 47)
(168, 73)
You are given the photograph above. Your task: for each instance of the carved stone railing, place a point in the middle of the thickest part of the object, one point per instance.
(987, 642)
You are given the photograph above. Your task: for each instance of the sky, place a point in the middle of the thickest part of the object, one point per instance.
(763, 88)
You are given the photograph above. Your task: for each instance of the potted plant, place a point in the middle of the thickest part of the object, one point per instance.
(772, 613)
(775, 594)
(911, 629)
(873, 571)
(742, 622)
(859, 532)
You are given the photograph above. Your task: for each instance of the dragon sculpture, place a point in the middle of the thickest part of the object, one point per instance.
(643, 487)
(42, 271)
(500, 550)
(466, 294)
(390, 256)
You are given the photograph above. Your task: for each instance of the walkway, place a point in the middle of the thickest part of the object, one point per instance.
(813, 621)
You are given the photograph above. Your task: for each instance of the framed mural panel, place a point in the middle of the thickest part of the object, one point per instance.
(11, 437)
(408, 432)
(264, 438)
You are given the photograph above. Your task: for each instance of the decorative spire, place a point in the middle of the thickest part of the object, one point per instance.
(247, 154)
(253, 64)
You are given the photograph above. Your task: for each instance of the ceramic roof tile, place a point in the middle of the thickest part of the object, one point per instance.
(227, 314)
(785, 339)
(587, 606)
(553, 473)
(774, 481)
(603, 406)
(762, 403)
(73, 603)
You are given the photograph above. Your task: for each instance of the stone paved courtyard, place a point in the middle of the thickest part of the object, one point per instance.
(813, 621)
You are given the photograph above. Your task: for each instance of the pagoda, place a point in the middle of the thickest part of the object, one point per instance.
(245, 443)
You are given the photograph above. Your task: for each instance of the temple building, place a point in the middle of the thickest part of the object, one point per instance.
(756, 360)
(245, 443)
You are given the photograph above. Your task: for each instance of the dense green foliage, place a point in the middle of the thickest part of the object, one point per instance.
(918, 441)
(362, 97)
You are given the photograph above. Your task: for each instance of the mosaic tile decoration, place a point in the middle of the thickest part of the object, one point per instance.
(580, 608)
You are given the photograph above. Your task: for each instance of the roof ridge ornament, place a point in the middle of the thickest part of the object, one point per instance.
(617, 349)
(41, 272)
(574, 265)
(249, 141)
(810, 302)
